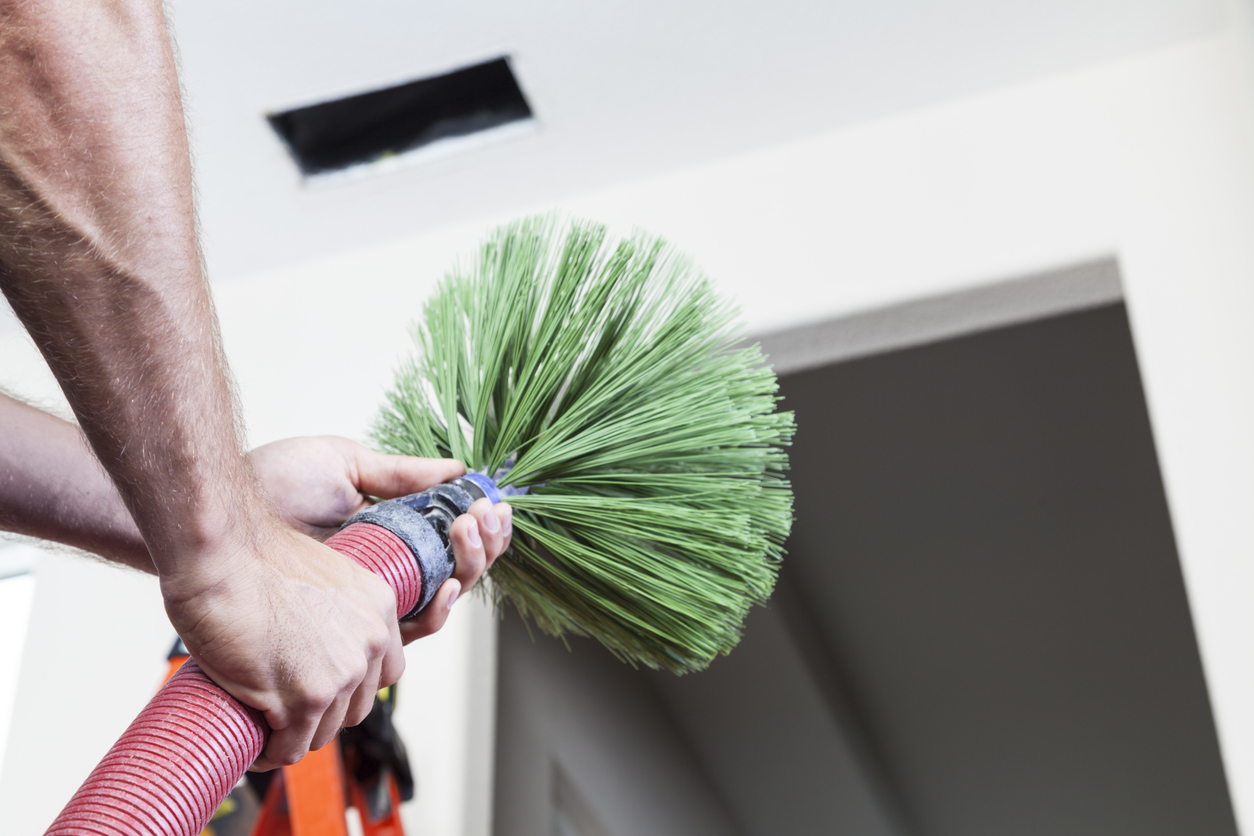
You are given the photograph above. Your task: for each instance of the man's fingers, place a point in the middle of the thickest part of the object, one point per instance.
(288, 745)
(433, 616)
(394, 660)
(385, 671)
(379, 474)
(479, 538)
(471, 539)
(334, 719)
(495, 526)
(505, 513)
(362, 699)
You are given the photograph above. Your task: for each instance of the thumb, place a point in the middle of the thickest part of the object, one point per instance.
(388, 476)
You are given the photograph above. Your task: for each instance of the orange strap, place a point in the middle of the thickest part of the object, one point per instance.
(388, 824)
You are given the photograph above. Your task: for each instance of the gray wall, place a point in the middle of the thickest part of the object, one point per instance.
(984, 551)
(582, 732)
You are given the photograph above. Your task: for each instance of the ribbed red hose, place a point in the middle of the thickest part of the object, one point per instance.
(190, 745)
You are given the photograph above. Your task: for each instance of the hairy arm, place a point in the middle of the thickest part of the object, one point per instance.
(53, 488)
(99, 259)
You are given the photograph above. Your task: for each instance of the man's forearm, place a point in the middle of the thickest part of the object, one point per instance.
(52, 487)
(98, 257)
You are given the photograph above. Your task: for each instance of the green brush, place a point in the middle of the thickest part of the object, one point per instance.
(603, 382)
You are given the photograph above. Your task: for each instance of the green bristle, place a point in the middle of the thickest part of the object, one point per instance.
(609, 375)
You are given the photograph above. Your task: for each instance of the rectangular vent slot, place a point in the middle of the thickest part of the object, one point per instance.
(366, 127)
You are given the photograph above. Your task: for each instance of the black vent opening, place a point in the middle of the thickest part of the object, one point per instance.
(368, 126)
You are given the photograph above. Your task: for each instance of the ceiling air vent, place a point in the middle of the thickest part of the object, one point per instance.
(370, 126)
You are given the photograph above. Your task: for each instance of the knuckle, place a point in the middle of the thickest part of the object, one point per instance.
(316, 701)
(468, 527)
(377, 646)
(356, 675)
(393, 672)
(379, 637)
(288, 756)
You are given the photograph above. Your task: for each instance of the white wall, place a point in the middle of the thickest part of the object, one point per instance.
(17, 589)
(1148, 160)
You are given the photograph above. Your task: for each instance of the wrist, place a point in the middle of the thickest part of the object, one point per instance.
(218, 542)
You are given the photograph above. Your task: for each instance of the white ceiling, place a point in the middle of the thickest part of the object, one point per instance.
(620, 90)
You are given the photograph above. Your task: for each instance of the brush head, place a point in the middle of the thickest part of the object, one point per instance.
(606, 378)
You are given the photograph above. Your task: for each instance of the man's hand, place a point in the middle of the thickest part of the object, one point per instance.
(226, 615)
(291, 628)
(318, 483)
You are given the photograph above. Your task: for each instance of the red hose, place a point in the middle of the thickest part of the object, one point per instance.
(177, 761)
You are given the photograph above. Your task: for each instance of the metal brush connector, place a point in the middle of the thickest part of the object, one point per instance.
(422, 521)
